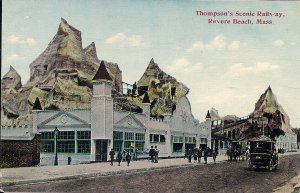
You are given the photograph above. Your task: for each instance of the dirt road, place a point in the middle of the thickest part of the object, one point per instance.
(221, 177)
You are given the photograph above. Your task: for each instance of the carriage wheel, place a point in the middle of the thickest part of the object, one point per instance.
(270, 166)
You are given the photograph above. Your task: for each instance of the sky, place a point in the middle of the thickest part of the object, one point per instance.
(226, 66)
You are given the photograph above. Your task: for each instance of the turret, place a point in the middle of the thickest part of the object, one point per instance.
(101, 110)
(208, 117)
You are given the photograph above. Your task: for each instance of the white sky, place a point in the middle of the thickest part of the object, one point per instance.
(225, 66)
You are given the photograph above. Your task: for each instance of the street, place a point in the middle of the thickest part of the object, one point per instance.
(220, 177)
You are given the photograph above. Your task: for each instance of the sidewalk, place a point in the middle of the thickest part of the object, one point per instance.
(25, 175)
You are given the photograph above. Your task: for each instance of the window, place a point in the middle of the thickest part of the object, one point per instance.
(84, 146)
(65, 135)
(47, 146)
(140, 136)
(66, 146)
(66, 142)
(118, 135)
(129, 136)
(190, 140)
(118, 146)
(83, 135)
(154, 138)
(194, 139)
(176, 139)
(83, 141)
(139, 145)
(203, 140)
(47, 142)
(127, 144)
(177, 147)
(180, 139)
(131, 141)
(47, 135)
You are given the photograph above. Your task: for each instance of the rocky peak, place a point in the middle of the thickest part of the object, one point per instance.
(164, 91)
(267, 102)
(66, 29)
(91, 51)
(268, 106)
(11, 79)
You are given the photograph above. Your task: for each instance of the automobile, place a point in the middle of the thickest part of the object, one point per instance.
(263, 153)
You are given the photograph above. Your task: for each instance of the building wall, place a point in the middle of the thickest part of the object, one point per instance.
(20, 153)
(288, 142)
(131, 129)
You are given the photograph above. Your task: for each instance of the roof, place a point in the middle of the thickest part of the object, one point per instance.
(262, 138)
(208, 115)
(37, 104)
(102, 73)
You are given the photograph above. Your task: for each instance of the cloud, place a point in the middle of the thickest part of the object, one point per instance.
(123, 40)
(260, 67)
(13, 57)
(217, 43)
(235, 45)
(30, 41)
(278, 43)
(13, 39)
(183, 65)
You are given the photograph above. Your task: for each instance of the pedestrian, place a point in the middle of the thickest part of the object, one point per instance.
(119, 157)
(200, 151)
(151, 154)
(156, 154)
(112, 155)
(128, 158)
(195, 155)
(189, 155)
(214, 155)
(135, 154)
(205, 154)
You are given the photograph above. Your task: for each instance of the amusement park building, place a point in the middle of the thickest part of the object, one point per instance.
(87, 135)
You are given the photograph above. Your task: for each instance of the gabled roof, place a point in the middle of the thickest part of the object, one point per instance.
(146, 98)
(80, 121)
(102, 73)
(37, 105)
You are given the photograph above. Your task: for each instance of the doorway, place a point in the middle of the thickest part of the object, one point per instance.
(101, 150)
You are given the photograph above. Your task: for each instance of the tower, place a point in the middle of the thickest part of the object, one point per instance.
(101, 115)
(146, 106)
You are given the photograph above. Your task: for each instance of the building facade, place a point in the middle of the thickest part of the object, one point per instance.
(19, 147)
(87, 135)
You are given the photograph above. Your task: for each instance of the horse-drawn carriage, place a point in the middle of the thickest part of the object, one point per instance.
(263, 153)
(237, 150)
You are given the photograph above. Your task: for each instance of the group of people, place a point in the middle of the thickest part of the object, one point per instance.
(198, 153)
(119, 157)
(153, 154)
